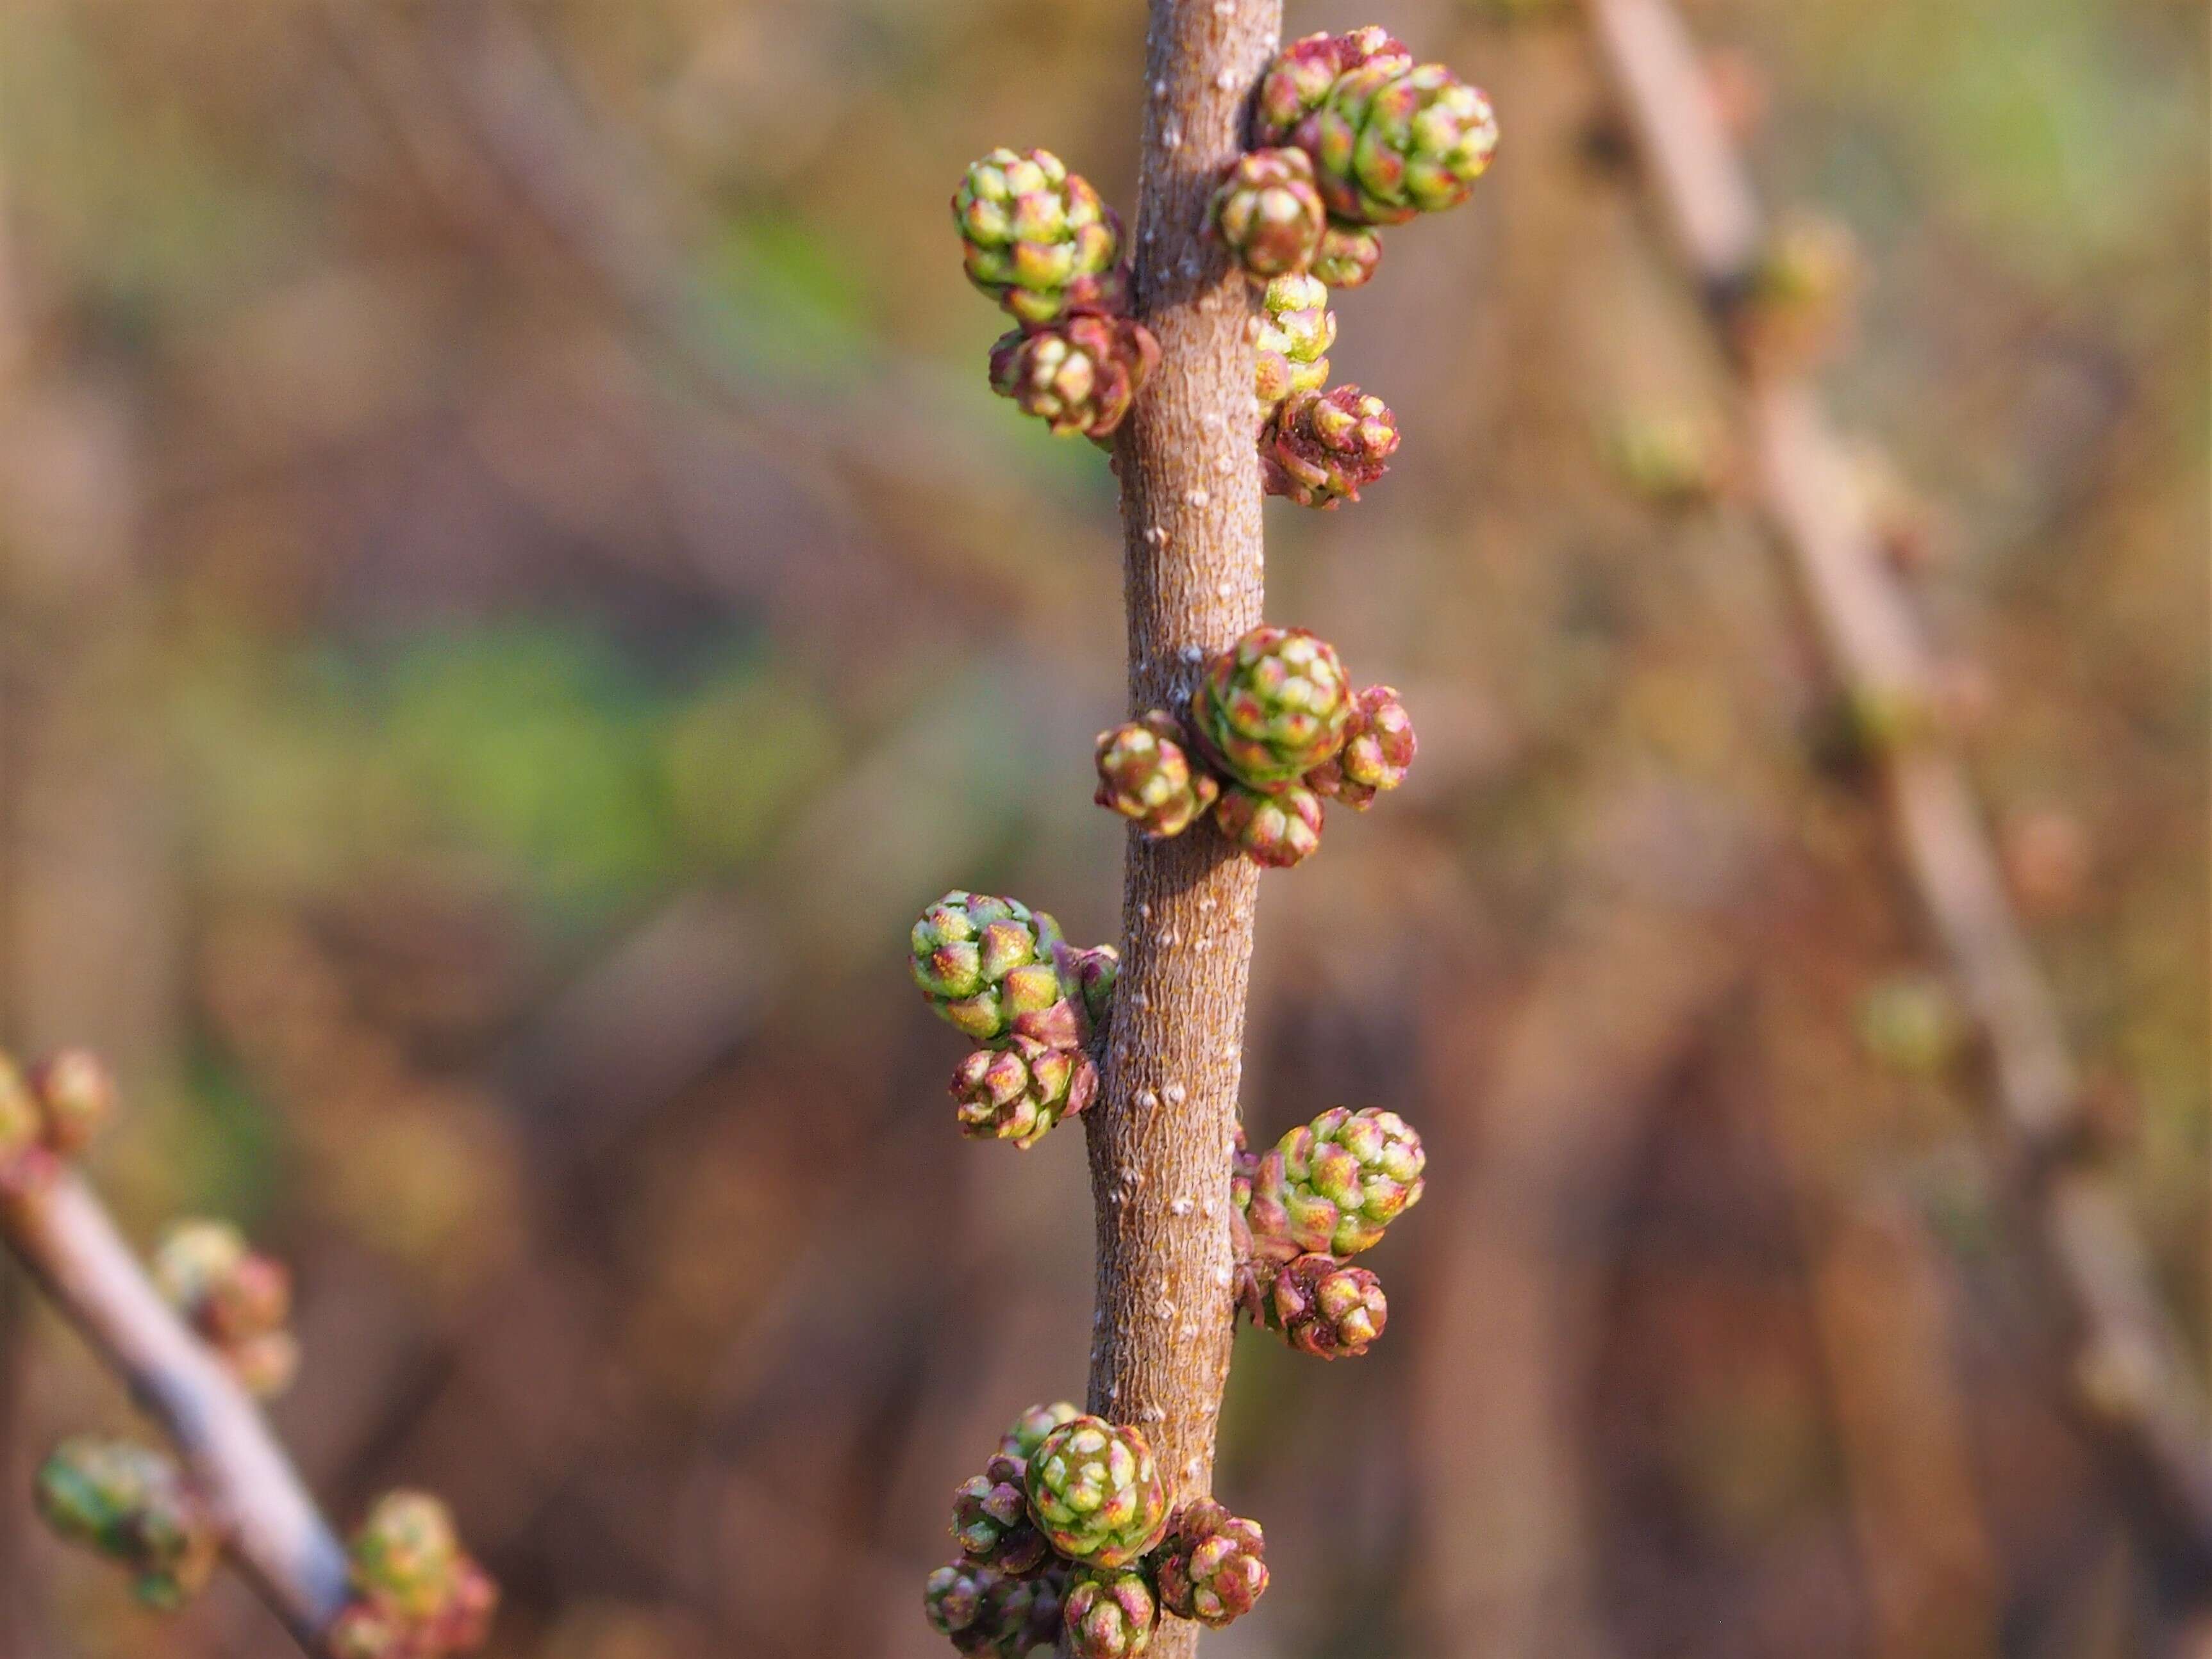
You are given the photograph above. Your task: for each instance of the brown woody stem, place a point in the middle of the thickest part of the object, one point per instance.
(1160, 1136)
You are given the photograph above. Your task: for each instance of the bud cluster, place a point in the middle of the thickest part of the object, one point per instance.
(1037, 239)
(133, 1505)
(238, 1301)
(51, 1112)
(1389, 139)
(1322, 1194)
(417, 1594)
(1272, 728)
(1348, 135)
(1004, 976)
(1068, 1533)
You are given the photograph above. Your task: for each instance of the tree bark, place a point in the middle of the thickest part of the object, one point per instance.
(1161, 1134)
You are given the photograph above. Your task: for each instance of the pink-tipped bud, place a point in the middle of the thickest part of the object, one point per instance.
(76, 1093)
(1325, 447)
(1269, 213)
(1326, 1308)
(1378, 748)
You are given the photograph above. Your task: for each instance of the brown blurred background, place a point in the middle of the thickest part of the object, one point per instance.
(513, 589)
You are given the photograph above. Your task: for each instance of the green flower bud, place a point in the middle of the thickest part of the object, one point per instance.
(407, 1555)
(1298, 83)
(1333, 1185)
(952, 1596)
(1268, 212)
(1347, 255)
(418, 1594)
(1095, 1492)
(991, 969)
(1389, 143)
(1145, 774)
(1368, 1164)
(1271, 707)
(240, 1302)
(1027, 1433)
(989, 1614)
(1296, 329)
(1038, 239)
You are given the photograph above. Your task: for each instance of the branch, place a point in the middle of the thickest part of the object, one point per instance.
(58, 1230)
(2124, 1362)
(1161, 1134)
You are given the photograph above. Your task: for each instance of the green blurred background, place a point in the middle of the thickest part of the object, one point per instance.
(513, 589)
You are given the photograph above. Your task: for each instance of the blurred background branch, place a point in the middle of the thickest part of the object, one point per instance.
(2119, 1354)
(58, 1229)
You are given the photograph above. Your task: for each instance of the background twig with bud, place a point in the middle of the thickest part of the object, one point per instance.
(1779, 302)
(197, 1341)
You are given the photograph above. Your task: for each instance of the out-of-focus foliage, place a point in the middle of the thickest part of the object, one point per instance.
(513, 588)
(535, 750)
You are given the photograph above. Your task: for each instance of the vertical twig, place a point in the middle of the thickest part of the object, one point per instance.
(2124, 1361)
(1160, 1136)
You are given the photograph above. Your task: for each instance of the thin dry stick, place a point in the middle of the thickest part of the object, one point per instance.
(1160, 1136)
(2124, 1362)
(65, 1240)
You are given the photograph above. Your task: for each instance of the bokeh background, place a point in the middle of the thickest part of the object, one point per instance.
(513, 589)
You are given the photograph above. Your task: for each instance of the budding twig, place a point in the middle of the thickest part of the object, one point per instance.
(1246, 725)
(1161, 1134)
(2123, 1359)
(57, 1229)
